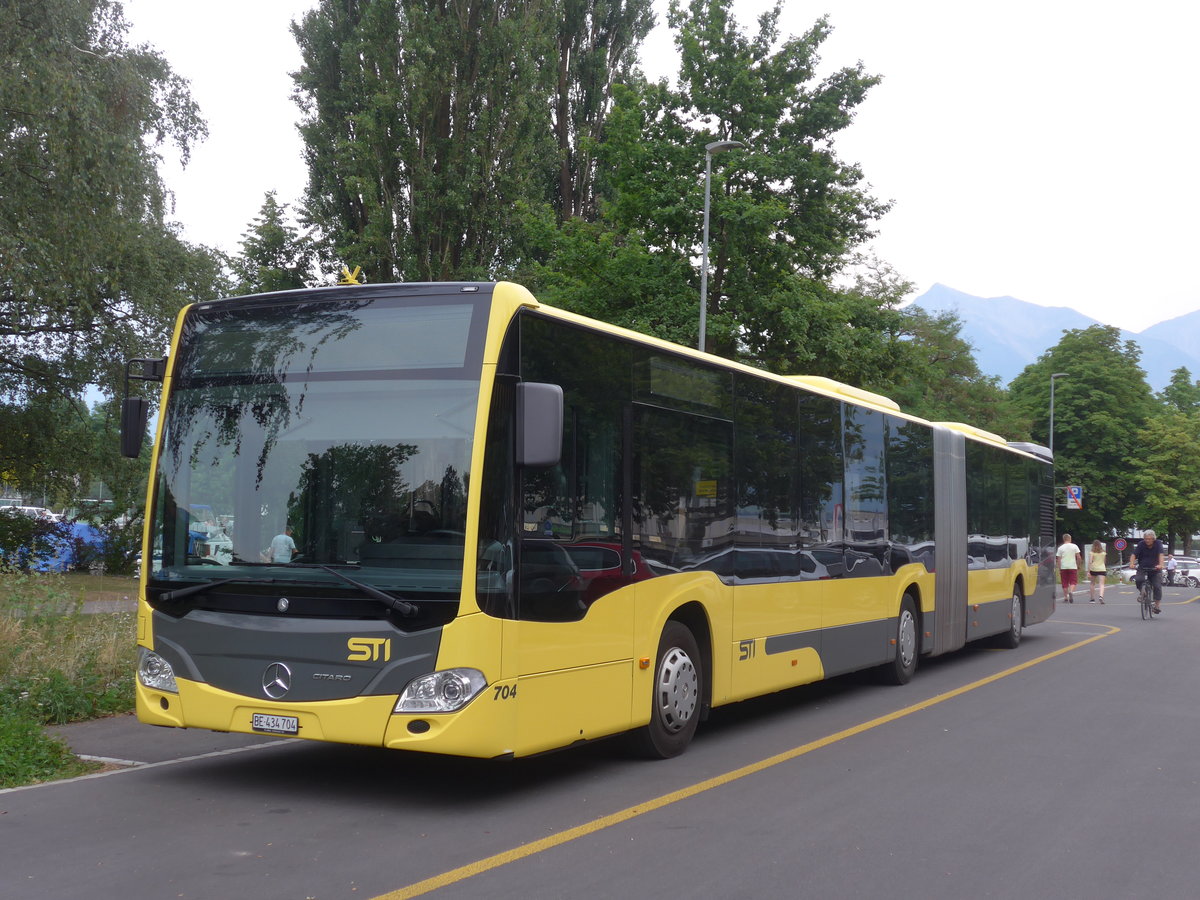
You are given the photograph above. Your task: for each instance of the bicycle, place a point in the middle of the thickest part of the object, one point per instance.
(1146, 593)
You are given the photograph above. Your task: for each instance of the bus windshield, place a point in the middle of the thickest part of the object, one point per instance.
(320, 433)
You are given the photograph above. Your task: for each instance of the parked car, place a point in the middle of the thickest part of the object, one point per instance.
(600, 568)
(1187, 571)
(32, 512)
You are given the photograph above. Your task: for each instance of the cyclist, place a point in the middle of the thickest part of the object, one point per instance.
(1147, 558)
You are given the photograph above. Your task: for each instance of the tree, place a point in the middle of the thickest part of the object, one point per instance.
(788, 211)
(275, 255)
(1099, 412)
(1167, 476)
(935, 375)
(90, 273)
(785, 211)
(1182, 394)
(597, 46)
(425, 124)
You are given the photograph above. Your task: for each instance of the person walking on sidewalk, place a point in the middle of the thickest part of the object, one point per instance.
(1171, 564)
(1096, 572)
(1067, 560)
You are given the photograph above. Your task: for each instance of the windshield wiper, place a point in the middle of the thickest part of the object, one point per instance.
(401, 606)
(181, 593)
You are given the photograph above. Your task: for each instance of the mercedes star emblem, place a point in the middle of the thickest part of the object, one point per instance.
(277, 680)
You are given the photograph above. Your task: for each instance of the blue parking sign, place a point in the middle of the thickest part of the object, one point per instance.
(1074, 497)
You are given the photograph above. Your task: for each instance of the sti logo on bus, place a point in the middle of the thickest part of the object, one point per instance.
(369, 649)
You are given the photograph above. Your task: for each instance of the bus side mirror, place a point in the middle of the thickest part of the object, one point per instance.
(135, 412)
(539, 424)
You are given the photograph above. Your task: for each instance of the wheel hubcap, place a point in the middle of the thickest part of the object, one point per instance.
(1016, 613)
(678, 689)
(907, 638)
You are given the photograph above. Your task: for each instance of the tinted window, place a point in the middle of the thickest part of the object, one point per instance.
(768, 513)
(910, 491)
(682, 487)
(820, 445)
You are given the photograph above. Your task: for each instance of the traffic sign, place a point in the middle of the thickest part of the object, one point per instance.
(1074, 497)
(1120, 544)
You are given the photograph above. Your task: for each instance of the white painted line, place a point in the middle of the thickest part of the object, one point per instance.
(141, 767)
(110, 761)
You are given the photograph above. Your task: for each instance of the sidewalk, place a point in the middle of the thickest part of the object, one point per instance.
(124, 741)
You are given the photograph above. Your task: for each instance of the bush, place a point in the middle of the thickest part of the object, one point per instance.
(29, 755)
(58, 664)
(122, 544)
(30, 544)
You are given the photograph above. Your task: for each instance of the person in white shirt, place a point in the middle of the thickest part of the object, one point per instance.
(282, 547)
(1066, 558)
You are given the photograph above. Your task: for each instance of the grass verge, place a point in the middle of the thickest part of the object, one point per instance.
(57, 665)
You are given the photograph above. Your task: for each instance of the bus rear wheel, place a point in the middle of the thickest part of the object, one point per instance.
(677, 697)
(908, 645)
(1010, 639)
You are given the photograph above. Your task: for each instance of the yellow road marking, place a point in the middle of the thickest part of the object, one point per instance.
(563, 837)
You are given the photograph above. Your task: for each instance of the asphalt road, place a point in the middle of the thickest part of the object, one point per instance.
(1068, 768)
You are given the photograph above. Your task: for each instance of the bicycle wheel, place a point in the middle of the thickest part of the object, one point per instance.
(1144, 602)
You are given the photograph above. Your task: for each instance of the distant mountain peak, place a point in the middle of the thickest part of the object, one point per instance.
(1008, 334)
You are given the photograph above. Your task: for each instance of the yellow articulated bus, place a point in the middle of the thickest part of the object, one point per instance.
(448, 518)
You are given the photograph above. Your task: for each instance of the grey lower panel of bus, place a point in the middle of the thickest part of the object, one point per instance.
(845, 648)
(950, 538)
(234, 653)
(990, 618)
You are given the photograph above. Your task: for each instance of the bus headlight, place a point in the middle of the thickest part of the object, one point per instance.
(441, 691)
(155, 672)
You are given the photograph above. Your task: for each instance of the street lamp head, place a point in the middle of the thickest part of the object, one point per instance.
(719, 146)
(1059, 375)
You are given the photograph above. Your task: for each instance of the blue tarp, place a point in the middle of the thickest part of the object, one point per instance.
(63, 556)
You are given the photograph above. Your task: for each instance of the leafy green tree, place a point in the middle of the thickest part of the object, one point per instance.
(597, 46)
(788, 210)
(425, 124)
(90, 273)
(1167, 476)
(942, 381)
(1100, 408)
(785, 211)
(275, 255)
(1182, 394)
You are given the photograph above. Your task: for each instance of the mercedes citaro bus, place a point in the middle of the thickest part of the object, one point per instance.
(456, 520)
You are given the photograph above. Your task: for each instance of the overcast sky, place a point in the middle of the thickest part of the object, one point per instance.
(1039, 149)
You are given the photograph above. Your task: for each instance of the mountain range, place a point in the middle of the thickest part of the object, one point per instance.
(1008, 334)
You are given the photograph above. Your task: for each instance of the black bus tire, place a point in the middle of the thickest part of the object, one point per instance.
(677, 695)
(1011, 639)
(908, 645)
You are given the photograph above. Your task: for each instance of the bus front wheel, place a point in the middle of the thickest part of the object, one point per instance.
(677, 695)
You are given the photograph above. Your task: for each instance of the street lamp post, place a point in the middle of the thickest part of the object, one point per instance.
(709, 150)
(1052, 377)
